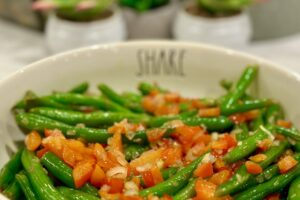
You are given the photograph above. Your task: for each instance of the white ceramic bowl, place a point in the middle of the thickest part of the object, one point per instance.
(192, 69)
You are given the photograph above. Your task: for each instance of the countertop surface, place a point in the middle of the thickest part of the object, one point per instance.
(21, 46)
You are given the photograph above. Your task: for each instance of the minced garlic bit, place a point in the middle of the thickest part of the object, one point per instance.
(293, 142)
(160, 163)
(144, 167)
(80, 125)
(208, 158)
(271, 136)
(276, 143)
(214, 136)
(117, 172)
(71, 132)
(131, 189)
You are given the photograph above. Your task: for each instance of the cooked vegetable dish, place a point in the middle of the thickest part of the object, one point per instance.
(153, 144)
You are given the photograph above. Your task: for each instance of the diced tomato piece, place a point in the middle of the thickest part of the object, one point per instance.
(286, 164)
(82, 172)
(231, 141)
(265, 144)
(97, 177)
(219, 145)
(202, 138)
(41, 153)
(155, 135)
(253, 168)
(107, 196)
(172, 156)
(209, 112)
(136, 180)
(55, 144)
(115, 142)
(205, 190)
(258, 158)
(156, 175)
(220, 165)
(148, 157)
(280, 137)
(148, 178)
(99, 152)
(116, 185)
(33, 140)
(70, 156)
(220, 177)
(238, 118)
(123, 197)
(198, 104)
(204, 170)
(275, 196)
(76, 145)
(54, 132)
(172, 97)
(166, 197)
(251, 115)
(196, 151)
(284, 123)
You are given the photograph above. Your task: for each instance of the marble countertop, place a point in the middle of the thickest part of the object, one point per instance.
(21, 46)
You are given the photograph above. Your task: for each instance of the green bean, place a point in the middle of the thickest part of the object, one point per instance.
(187, 192)
(88, 188)
(219, 124)
(257, 122)
(41, 101)
(184, 107)
(241, 131)
(80, 89)
(73, 194)
(39, 123)
(169, 172)
(226, 84)
(94, 119)
(277, 183)
(166, 174)
(273, 113)
(133, 151)
(294, 192)
(187, 114)
(267, 174)
(147, 88)
(292, 132)
(58, 169)
(25, 185)
(246, 106)
(133, 97)
(296, 146)
(246, 147)
(39, 180)
(84, 100)
(175, 183)
(239, 90)
(241, 177)
(113, 96)
(13, 191)
(10, 169)
(63, 172)
(22, 103)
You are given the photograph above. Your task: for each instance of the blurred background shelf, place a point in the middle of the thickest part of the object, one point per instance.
(20, 47)
(276, 34)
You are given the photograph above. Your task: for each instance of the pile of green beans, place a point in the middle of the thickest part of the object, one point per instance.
(80, 115)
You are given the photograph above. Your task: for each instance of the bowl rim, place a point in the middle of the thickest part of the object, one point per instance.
(112, 46)
(34, 65)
